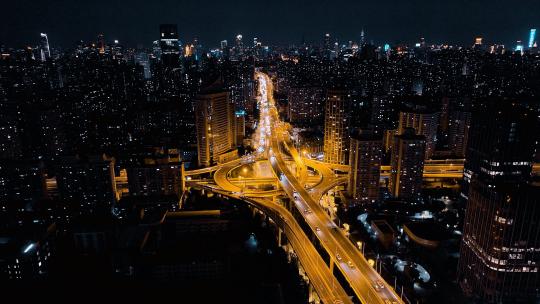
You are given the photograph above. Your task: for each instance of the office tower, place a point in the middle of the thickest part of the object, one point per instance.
(327, 46)
(101, 43)
(44, 47)
(305, 105)
(519, 47)
(500, 249)
(424, 121)
(88, 182)
(170, 50)
(156, 49)
(501, 142)
(336, 126)
(532, 37)
(365, 160)
(459, 122)
(362, 38)
(156, 174)
(215, 124)
(407, 165)
(223, 44)
(239, 47)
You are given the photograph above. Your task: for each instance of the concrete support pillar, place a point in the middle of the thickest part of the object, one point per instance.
(279, 237)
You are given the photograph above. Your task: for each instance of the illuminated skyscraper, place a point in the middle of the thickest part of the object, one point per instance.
(365, 160)
(407, 165)
(44, 47)
(336, 126)
(532, 37)
(170, 50)
(216, 125)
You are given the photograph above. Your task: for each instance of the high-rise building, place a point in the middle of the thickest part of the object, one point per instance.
(458, 131)
(157, 174)
(89, 182)
(239, 47)
(336, 127)
(424, 121)
(305, 105)
(532, 37)
(500, 250)
(215, 123)
(383, 113)
(170, 50)
(501, 143)
(44, 47)
(365, 160)
(407, 165)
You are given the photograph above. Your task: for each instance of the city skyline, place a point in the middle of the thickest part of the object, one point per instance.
(393, 23)
(248, 172)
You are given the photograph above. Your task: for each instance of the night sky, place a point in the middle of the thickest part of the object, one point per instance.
(276, 22)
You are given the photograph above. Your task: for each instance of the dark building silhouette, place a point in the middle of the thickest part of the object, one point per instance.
(407, 165)
(365, 159)
(500, 249)
(170, 50)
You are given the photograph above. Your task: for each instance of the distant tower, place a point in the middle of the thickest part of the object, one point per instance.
(365, 160)
(532, 37)
(362, 38)
(101, 43)
(407, 165)
(170, 50)
(239, 47)
(336, 127)
(44, 47)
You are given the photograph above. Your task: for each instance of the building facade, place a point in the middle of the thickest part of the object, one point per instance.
(336, 127)
(407, 165)
(216, 125)
(365, 160)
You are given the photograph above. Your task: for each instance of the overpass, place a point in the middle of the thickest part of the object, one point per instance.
(291, 178)
(367, 285)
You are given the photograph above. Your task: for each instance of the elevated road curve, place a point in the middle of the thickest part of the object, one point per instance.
(367, 284)
(327, 287)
